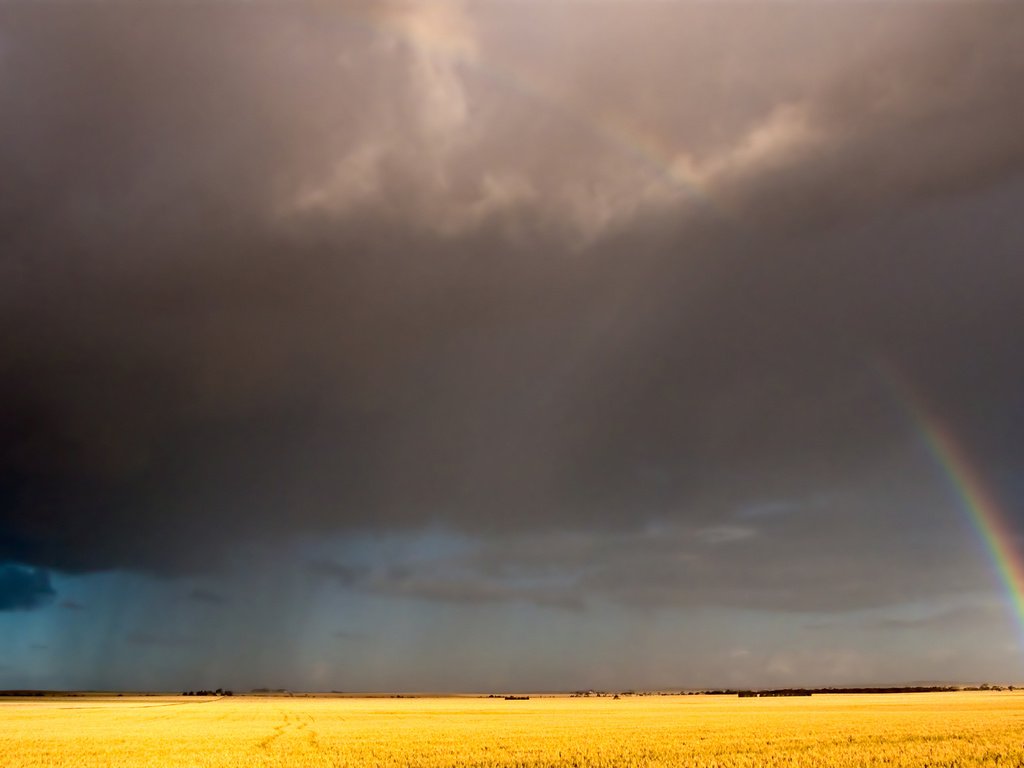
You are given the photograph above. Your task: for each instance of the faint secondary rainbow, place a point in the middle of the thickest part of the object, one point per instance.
(983, 509)
(642, 147)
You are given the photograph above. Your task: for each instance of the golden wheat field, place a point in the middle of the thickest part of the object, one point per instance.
(932, 729)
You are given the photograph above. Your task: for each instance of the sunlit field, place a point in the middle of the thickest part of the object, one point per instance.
(938, 729)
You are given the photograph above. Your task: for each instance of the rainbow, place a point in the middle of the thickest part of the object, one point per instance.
(981, 506)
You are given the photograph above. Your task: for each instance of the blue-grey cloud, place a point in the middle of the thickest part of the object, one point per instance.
(23, 589)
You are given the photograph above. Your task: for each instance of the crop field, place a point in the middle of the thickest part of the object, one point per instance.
(932, 729)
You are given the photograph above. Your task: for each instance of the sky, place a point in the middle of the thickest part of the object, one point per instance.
(507, 345)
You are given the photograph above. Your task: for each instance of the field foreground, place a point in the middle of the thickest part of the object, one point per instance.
(938, 729)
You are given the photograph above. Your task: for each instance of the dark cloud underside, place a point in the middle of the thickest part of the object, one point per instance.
(286, 269)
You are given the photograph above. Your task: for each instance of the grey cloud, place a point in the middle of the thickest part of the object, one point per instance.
(724, 534)
(269, 271)
(828, 557)
(346, 634)
(339, 573)
(960, 616)
(159, 639)
(767, 509)
(474, 588)
(207, 596)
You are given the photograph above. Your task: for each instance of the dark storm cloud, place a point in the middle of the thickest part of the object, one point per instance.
(289, 269)
(22, 589)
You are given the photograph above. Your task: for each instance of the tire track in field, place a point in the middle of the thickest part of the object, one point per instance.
(293, 725)
(311, 735)
(276, 733)
(146, 706)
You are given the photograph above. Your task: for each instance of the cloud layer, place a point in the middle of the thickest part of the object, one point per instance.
(306, 269)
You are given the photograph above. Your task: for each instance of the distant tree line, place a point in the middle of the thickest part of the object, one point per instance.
(771, 692)
(218, 692)
(900, 689)
(987, 687)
